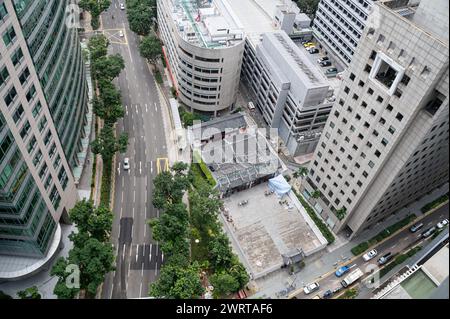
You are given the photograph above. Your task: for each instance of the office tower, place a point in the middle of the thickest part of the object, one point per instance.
(43, 107)
(386, 141)
(339, 25)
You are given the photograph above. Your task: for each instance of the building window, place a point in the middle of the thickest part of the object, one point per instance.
(399, 117)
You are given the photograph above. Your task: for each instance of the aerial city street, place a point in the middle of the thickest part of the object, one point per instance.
(224, 149)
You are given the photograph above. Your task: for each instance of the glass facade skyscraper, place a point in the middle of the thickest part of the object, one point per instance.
(43, 103)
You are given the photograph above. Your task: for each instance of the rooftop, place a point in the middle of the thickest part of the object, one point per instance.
(266, 229)
(224, 23)
(431, 16)
(240, 159)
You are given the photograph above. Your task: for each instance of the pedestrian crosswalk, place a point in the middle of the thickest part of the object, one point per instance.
(145, 256)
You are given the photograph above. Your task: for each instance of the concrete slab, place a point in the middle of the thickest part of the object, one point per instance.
(267, 228)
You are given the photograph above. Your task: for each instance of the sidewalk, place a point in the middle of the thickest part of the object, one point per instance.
(335, 254)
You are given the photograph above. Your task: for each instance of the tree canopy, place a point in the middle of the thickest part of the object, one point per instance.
(106, 144)
(140, 15)
(150, 48)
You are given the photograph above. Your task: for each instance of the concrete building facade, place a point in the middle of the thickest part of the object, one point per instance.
(203, 46)
(291, 92)
(339, 26)
(43, 107)
(386, 141)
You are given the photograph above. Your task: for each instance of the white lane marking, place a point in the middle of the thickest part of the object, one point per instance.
(112, 290)
(156, 107)
(146, 108)
(150, 257)
(145, 230)
(126, 109)
(118, 169)
(140, 293)
(133, 212)
(123, 253)
(151, 167)
(140, 167)
(156, 269)
(137, 252)
(134, 196)
(121, 211)
(122, 196)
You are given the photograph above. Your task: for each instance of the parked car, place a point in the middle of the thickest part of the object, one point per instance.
(325, 63)
(324, 58)
(308, 44)
(341, 271)
(371, 254)
(313, 50)
(331, 71)
(337, 289)
(328, 294)
(122, 6)
(416, 227)
(442, 224)
(385, 258)
(311, 288)
(121, 33)
(428, 232)
(126, 164)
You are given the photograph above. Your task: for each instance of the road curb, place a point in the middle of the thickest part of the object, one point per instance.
(293, 294)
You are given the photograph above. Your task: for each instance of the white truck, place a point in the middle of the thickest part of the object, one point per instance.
(352, 277)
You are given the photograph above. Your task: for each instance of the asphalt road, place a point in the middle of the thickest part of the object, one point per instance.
(395, 245)
(138, 258)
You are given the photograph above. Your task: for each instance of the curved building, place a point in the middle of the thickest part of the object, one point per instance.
(43, 103)
(204, 46)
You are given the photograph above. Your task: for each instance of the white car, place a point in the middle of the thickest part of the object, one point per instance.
(121, 33)
(122, 6)
(442, 224)
(371, 254)
(126, 164)
(310, 288)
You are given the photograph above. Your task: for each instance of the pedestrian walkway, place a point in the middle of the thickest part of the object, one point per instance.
(335, 254)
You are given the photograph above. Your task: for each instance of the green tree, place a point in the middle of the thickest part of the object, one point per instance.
(205, 206)
(29, 293)
(140, 15)
(171, 229)
(94, 259)
(61, 290)
(301, 172)
(177, 282)
(109, 105)
(340, 213)
(308, 6)
(238, 271)
(169, 186)
(224, 284)
(108, 67)
(220, 252)
(95, 8)
(316, 194)
(96, 222)
(106, 144)
(150, 49)
(98, 46)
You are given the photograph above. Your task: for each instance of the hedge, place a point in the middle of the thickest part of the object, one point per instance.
(105, 191)
(158, 77)
(208, 176)
(400, 259)
(382, 235)
(360, 248)
(434, 203)
(319, 223)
